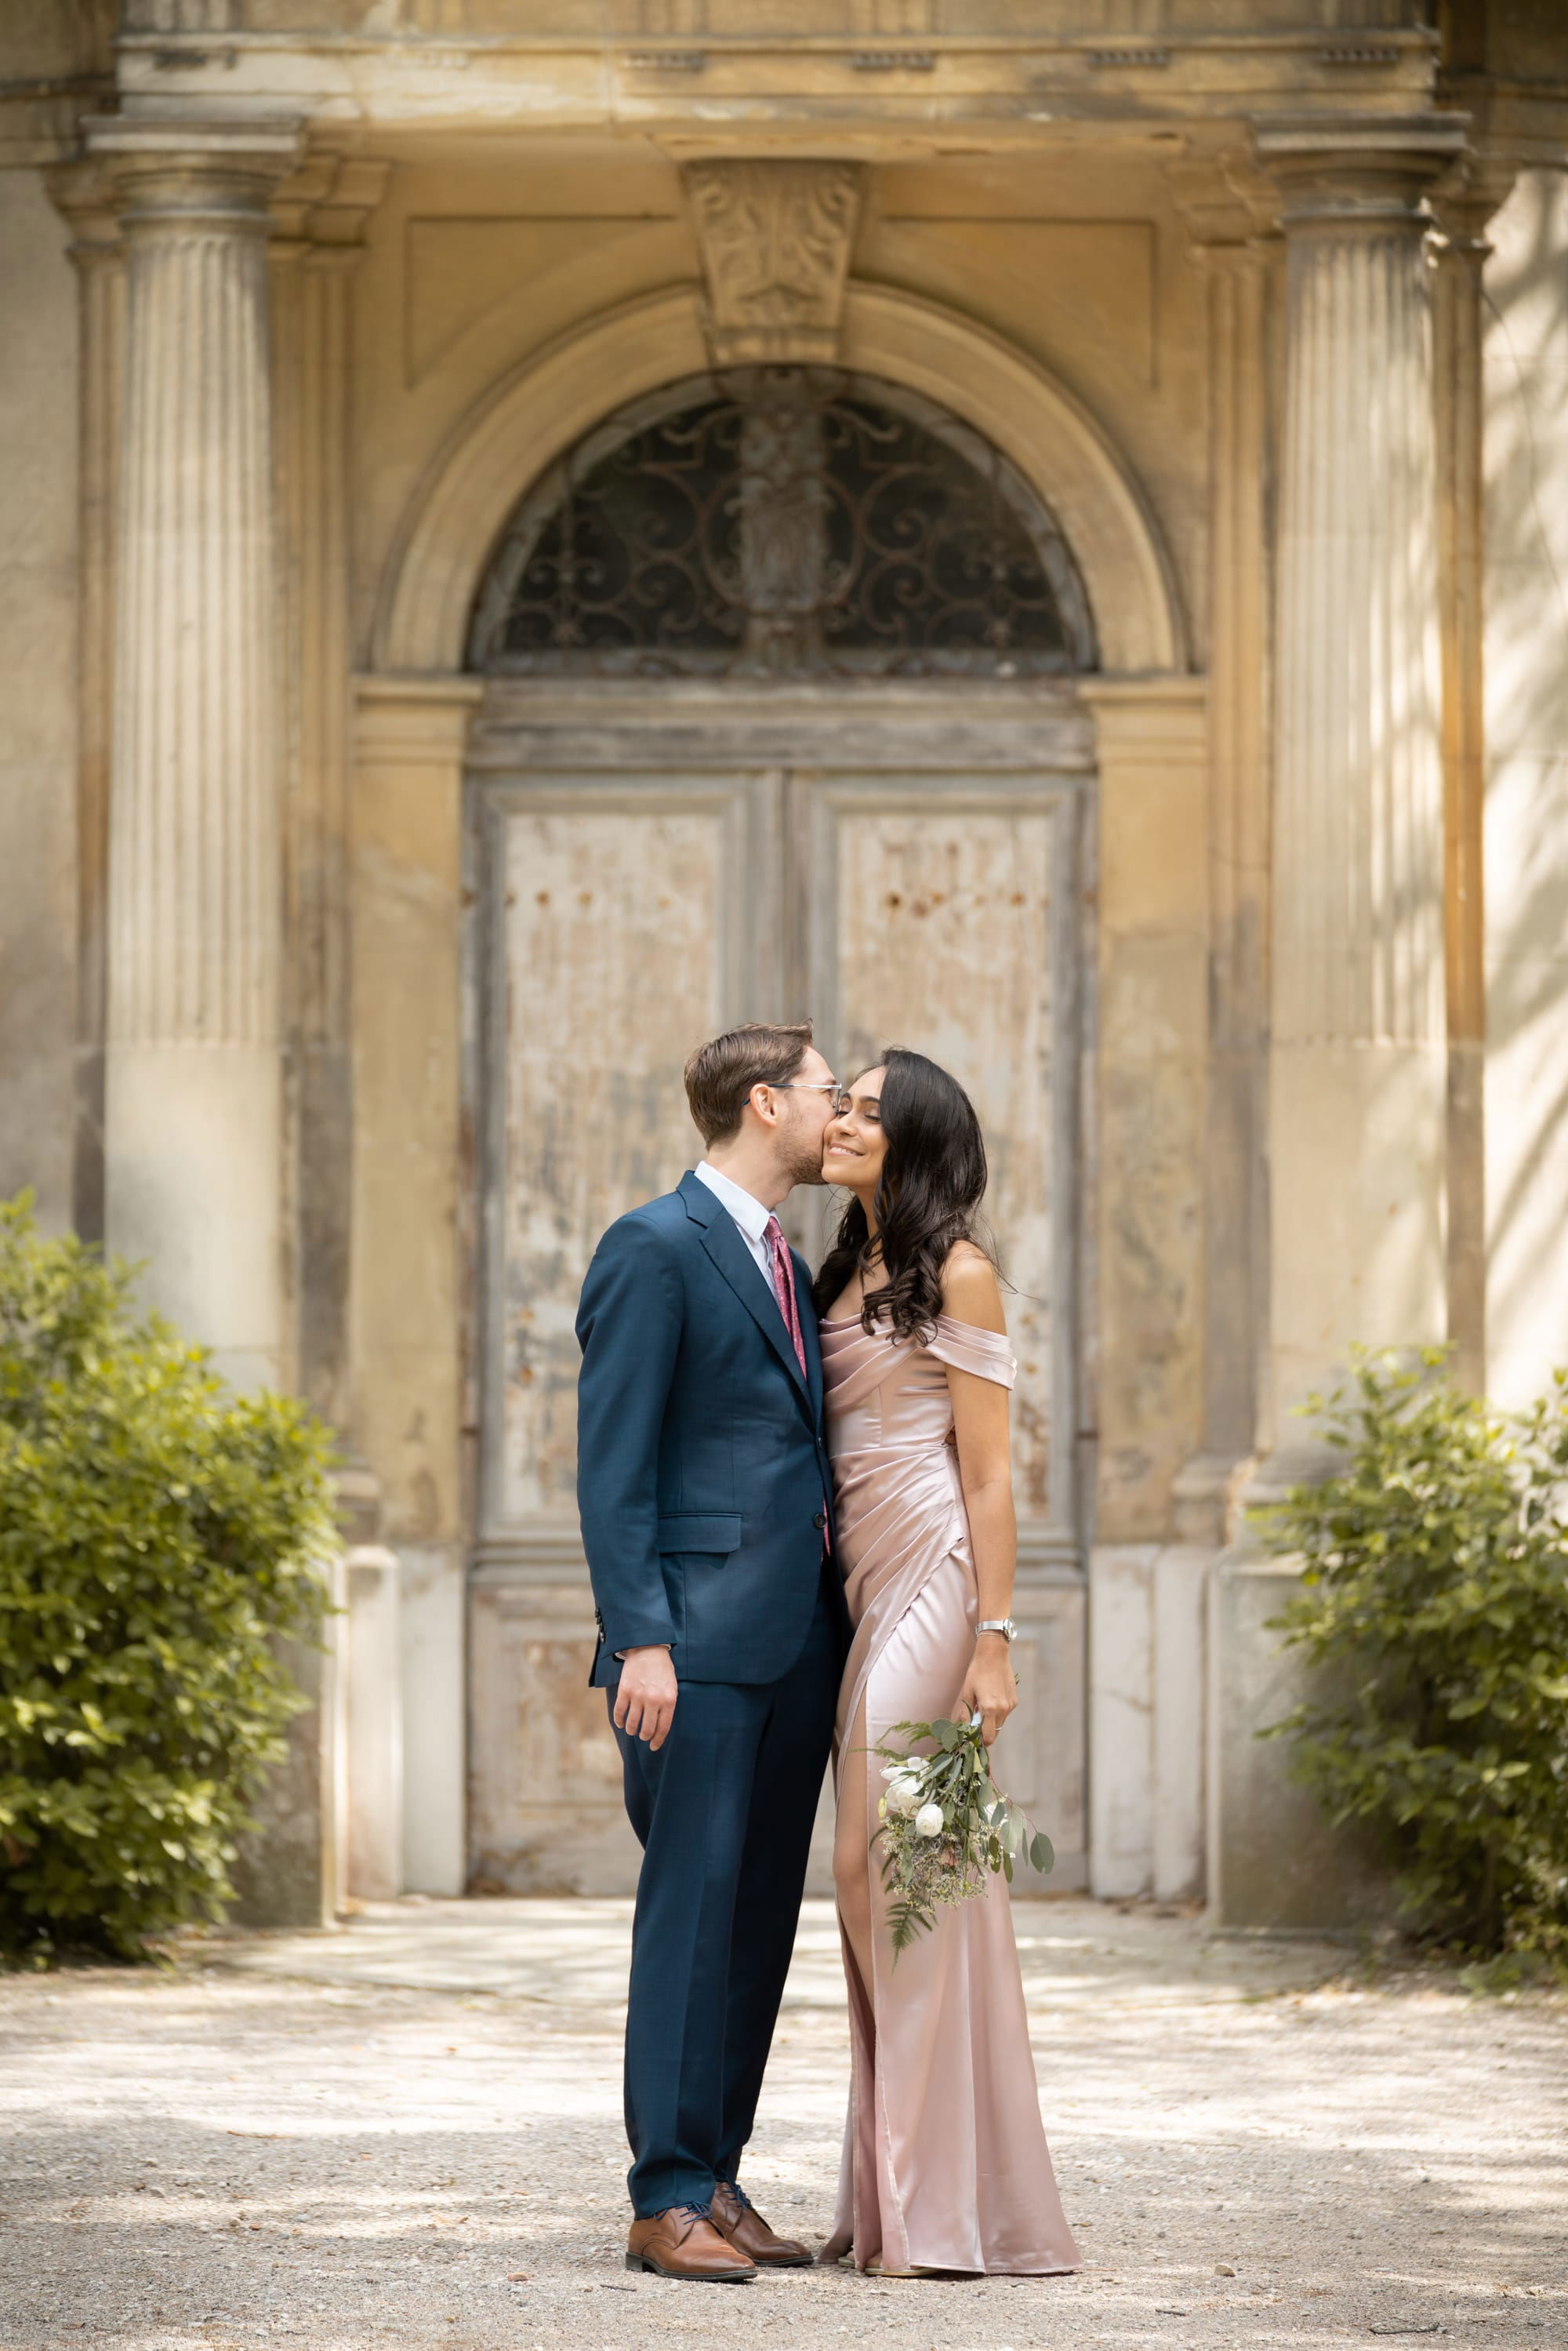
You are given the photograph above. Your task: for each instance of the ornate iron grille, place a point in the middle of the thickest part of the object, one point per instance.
(783, 522)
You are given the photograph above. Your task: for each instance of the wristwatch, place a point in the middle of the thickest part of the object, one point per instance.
(1002, 1624)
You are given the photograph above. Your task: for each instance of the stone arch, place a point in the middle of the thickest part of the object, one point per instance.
(535, 413)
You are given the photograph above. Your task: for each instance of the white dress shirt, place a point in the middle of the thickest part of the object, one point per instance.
(748, 1212)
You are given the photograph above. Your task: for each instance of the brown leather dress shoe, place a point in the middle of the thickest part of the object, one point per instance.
(735, 2216)
(680, 2242)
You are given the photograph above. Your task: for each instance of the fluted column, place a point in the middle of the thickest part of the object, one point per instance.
(314, 253)
(1458, 295)
(192, 1110)
(1240, 277)
(85, 195)
(1357, 1065)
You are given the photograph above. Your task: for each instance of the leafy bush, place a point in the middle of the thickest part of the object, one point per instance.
(157, 1534)
(1437, 1588)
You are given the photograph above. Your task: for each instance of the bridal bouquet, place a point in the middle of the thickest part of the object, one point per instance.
(944, 1829)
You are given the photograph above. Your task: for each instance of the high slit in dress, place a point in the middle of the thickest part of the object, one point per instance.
(945, 2163)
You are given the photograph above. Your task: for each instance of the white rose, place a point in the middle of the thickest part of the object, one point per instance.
(904, 1794)
(928, 1820)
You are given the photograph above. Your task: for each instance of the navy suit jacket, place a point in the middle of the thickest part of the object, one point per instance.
(703, 1475)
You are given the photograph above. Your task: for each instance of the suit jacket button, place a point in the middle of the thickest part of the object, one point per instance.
(821, 1520)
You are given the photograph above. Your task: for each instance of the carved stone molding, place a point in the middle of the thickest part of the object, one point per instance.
(775, 241)
(1221, 195)
(325, 206)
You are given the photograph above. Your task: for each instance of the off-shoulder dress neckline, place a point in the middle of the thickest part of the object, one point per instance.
(843, 1322)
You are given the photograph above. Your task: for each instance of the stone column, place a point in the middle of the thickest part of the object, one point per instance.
(1227, 209)
(316, 249)
(1357, 1071)
(85, 196)
(1240, 277)
(410, 1210)
(192, 1110)
(1460, 265)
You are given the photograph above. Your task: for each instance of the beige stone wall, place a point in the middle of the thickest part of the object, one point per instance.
(37, 697)
(481, 260)
(1526, 843)
(474, 263)
(1082, 263)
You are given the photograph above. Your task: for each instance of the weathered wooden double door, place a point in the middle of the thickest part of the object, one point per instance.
(623, 912)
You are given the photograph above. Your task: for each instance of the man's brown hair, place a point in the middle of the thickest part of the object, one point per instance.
(721, 1074)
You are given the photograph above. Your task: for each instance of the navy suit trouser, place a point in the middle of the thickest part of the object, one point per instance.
(724, 1812)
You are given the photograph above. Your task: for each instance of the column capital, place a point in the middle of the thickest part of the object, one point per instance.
(85, 195)
(1139, 717)
(1364, 171)
(1227, 204)
(321, 210)
(175, 173)
(1466, 201)
(407, 720)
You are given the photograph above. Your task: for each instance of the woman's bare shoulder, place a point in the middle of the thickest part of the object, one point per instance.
(970, 1291)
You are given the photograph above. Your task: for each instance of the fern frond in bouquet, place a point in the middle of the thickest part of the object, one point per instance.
(943, 1827)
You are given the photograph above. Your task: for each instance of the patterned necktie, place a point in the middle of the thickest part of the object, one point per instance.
(783, 1266)
(784, 1288)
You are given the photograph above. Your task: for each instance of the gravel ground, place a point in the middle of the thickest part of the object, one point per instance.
(410, 2135)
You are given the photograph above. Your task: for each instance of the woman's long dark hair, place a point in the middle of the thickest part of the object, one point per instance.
(928, 1197)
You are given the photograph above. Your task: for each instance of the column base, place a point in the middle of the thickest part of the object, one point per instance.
(1147, 1708)
(1274, 1863)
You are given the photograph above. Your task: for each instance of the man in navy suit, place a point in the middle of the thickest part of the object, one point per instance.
(704, 1486)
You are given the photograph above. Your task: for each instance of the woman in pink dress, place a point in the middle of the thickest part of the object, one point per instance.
(946, 2166)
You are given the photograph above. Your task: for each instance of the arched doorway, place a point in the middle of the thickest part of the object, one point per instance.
(778, 717)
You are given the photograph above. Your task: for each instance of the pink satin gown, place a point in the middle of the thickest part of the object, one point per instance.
(944, 2164)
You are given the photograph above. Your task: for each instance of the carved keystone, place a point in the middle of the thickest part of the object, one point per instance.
(775, 242)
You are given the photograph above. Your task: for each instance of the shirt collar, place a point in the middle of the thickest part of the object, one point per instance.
(748, 1213)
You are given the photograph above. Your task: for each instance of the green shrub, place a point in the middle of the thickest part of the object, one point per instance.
(1436, 1591)
(157, 1534)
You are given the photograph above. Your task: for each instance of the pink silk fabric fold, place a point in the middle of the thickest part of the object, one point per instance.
(945, 2163)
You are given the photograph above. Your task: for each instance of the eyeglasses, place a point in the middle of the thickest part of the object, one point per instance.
(839, 1101)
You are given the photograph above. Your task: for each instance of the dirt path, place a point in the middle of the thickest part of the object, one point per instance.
(350, 2141)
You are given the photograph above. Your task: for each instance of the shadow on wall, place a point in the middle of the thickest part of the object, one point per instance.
(1526, 394)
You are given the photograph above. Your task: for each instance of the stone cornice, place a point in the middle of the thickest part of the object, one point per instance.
(812, 83)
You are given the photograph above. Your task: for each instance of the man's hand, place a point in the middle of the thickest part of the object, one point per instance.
(645, 1701)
